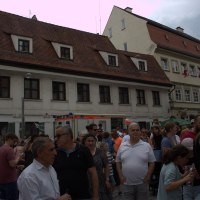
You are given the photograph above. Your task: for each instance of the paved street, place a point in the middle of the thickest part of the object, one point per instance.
(117, 197)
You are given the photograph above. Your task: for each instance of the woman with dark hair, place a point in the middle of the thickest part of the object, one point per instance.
(169, 140)
(171, 180)
(92, 128)
(157, 138)
(27, 150)
(101, 161)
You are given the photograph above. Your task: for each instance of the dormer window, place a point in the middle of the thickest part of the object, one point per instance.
(141, 66)
(197, 48)
(167, 37)
(23, 45)
(112, 60)
(65, 52)
(184, 43)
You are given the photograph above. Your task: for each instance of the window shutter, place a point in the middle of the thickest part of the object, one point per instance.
(11, 127)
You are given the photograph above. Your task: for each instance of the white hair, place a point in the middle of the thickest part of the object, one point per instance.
(83, 132)
(133, 124)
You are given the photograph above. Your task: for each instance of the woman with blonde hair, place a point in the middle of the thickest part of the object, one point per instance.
(169, 140)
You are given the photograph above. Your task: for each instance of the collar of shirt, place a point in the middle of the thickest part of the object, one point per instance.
(76, 148)
(39, 166)
(137, 144)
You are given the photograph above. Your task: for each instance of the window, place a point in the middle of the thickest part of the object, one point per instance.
(58, 91)
(164, 63)
(197, 48)
(196, 96)
(141, 66)
(192, 70)
(156, 98)
(123, 24)
(24, 45)
(104, 94)
(65, 52)
(175, 66)
(110, 32)
(83, 92)
(183, 67)
(178, 95)
(169, 95)
(4, 87)
(142, 125)
(31, 88)
(167, 37)
(125, 46)
(112, 60)
(123, 95)
(140, 97)
(184, 43)
(187, 95)
(198, 72)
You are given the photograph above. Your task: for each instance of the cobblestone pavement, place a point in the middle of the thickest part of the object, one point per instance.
(117, 197)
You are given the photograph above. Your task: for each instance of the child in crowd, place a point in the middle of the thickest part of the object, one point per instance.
(171, 180)
(104, 147)
(156, 122)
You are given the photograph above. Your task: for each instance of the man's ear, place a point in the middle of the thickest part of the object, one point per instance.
(39, 153)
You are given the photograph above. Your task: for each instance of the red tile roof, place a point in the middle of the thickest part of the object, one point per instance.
(86, 58)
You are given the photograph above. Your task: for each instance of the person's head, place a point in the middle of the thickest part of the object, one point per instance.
(134, 131)
(92, 128)
(63, 136)
(106, 135)
(183, 132)
(178, 154)
(156, 130)
(100, 125)
(184, 127)
(100, 132)
(125, 131)
(196, 124)
(155, 120)
(170, 127)
(177, 126)
(81, 134)
(104, 146)
(40, 133)
(143, 132)
(114, 133)
(44, 151)
(11, 139)
(89, 140)
(188, 143)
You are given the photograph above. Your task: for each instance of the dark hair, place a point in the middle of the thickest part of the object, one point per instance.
(10, 135)
(158, 128)
(168, 126)
(106, 135)
(90, 127)
(100, 124)
(171, 155)
(196, 118)
(87, 136)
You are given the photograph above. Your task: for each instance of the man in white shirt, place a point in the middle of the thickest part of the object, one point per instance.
(138, 162)
(39, 180)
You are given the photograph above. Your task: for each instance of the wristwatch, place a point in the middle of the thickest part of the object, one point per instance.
(147, 178)
(107, 179)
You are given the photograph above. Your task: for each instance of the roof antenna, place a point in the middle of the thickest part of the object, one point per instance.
(95, 16)
(30, 13)
(100, 16)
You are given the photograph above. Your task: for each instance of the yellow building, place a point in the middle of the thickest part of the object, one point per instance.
(175, 51)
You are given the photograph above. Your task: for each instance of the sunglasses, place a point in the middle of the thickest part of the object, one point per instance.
(58, 136)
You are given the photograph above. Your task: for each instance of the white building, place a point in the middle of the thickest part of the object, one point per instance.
(72, 72)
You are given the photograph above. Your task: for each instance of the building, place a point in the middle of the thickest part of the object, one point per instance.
(59, 70)
(174, 50)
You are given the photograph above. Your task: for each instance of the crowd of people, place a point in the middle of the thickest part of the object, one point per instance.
(90, 166)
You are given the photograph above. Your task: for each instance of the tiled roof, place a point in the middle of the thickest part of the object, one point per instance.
(158, 31)
(86, 58)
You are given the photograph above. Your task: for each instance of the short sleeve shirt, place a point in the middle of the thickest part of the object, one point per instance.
(72, 171)
(135, 161)
(7, 173)
(166, 142)
(118, 142)
(189, 134)
(169, 173)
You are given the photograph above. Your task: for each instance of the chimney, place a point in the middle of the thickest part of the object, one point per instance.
(180, 29)
(128, 9)
(34, 17)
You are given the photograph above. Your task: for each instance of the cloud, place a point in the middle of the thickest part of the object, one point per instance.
(183, 13)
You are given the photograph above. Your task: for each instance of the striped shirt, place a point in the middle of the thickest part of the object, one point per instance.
(110, 159)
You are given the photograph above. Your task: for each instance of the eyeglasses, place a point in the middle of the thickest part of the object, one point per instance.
(58, 136)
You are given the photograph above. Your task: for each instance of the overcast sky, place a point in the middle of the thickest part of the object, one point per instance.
(85, 15)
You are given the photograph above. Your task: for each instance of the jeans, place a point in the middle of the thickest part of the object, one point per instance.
(9, 191)
(191, 193)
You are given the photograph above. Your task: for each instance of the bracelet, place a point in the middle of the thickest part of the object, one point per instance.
(107, 179)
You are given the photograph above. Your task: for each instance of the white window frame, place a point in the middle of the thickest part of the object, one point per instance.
(175, 68)
(194, 71)
(182, 69)
(110, 32)
(136, 62)
(123, 24)
(170, 95)
(187, 96)
(196, 95)
(105, 55)
(167, 66)
(178, 92)
(125, 47)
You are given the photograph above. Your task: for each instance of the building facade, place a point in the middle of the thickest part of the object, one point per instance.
(174, 50)
(58, 71)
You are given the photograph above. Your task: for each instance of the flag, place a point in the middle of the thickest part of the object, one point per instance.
(186, 73)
